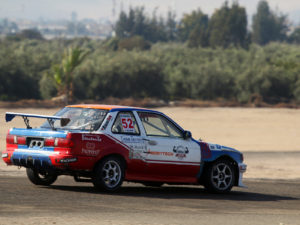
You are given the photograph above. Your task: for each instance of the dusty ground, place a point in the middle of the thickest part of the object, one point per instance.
(264, 202)
(268, 137)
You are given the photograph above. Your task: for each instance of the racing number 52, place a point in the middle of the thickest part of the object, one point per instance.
(127, 123)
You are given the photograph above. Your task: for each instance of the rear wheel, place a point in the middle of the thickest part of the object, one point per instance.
(41, 177)
(220, 176)
(109, 174)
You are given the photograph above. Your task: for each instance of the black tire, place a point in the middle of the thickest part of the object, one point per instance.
(153, 184)
(219, 176)
(109, 174)
(41, 178)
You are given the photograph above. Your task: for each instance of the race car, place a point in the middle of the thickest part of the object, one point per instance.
(106, 145)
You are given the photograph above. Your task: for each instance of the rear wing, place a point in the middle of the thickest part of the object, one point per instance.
(9, 116)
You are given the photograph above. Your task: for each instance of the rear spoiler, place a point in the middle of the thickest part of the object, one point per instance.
(9, 116)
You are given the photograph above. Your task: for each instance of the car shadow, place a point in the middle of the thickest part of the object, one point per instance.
(176, 192)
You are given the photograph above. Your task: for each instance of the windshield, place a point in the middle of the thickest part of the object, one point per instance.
(80, 119)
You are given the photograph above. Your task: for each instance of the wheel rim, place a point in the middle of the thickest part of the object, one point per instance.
(222, 176)
(111, 174)
(44, 176)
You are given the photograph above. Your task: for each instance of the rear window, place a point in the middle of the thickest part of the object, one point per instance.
(80, 119)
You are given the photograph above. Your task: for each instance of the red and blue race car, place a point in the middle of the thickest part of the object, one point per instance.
(107, 145)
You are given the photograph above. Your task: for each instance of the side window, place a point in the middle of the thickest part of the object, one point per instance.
(125, 123)
(157, 125)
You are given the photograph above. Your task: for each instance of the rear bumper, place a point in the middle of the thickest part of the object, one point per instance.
(38, 159)
(33, 161)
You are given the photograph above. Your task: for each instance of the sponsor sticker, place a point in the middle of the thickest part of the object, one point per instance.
(91, 137)
(160, 153)
(106, 122)
(180, 151)
(90, 152)
(137, 146)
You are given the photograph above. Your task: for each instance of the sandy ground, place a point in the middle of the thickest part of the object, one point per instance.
(268, 137)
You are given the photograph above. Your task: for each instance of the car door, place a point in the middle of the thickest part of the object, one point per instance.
(126, 130)
(168, 154)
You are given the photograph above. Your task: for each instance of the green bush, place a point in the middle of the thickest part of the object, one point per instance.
(166, 71)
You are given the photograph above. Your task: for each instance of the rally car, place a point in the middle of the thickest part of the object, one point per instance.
(107, 145)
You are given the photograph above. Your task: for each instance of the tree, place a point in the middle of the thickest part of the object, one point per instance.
(171, 30)
(122, 30)
(137, 23)
(30, 34)
(295, 36)
(194, 29)
(267, 25)
(228, 25)
(63, 73)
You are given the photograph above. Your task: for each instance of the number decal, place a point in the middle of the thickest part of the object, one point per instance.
(127, 123)
(124, 123)
(130, 123)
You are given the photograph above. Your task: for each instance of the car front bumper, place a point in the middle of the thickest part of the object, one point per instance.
(242, 170)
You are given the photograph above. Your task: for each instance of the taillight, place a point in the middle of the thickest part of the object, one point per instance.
(10, 139)
(14, 139)
(64, 142)
(49, 141)
(21, 140)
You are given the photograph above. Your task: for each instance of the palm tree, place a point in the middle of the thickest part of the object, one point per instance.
(63, 73)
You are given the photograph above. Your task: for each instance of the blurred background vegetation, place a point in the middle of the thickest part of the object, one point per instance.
(198, 57)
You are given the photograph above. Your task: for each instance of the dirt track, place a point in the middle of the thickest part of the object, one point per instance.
(66, 202)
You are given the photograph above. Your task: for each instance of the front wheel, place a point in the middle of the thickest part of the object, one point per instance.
(109, 174)
(220, 176)
(41, 177)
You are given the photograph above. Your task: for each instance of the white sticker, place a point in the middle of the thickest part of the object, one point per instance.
(127, 123)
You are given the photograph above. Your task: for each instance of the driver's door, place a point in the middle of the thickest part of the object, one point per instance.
(168, 154)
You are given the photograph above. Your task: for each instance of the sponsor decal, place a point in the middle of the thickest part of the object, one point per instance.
(215, 147)
(129, 139)
(90, 149)
(137, 146)
(136, 155)
(91, 137)
(68, 160)
(106, 122)
(160, 153)
(90, 145)
(89, 152)
(180, 151)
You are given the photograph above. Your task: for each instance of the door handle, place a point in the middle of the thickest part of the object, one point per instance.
(150, 142)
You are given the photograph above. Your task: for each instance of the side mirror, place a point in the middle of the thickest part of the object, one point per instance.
(64, 121)
(187, 134)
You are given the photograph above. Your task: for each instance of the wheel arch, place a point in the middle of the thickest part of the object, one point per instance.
(206, 165)
(117, 155)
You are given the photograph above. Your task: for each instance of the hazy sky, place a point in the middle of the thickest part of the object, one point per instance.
(61, 9)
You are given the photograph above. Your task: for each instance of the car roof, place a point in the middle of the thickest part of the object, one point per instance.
(113, 108)
(110, 107)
